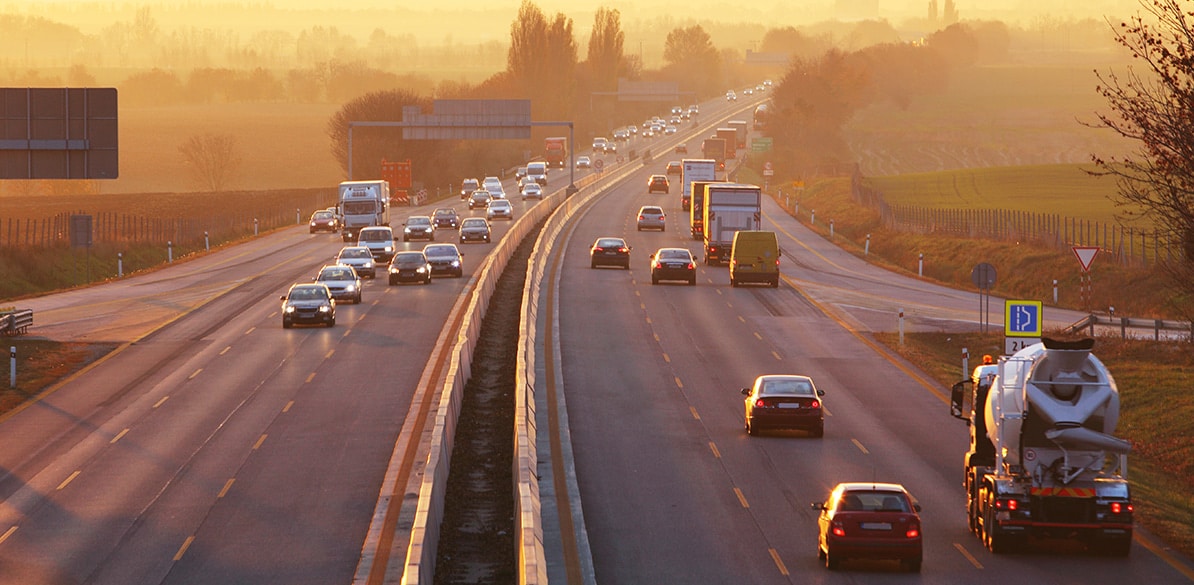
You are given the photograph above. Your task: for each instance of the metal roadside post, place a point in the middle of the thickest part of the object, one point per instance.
(12, 366)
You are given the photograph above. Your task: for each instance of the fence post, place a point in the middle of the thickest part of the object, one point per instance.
(120, 265)
(867, 249)
(169, 251)
(920, 265)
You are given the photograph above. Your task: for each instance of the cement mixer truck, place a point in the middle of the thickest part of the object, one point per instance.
(1043, 462)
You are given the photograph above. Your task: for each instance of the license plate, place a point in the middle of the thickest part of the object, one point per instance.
(675, 266)
(789, 405)
(875, 525)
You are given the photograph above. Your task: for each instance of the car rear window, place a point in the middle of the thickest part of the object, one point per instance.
(788, 387)
(673, 255)
(873, 501)
(609, 243)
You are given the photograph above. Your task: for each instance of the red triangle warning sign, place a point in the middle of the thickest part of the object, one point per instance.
(1086, 255)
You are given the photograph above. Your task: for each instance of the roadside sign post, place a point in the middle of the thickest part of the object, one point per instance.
(983, 276)
(1022, 325)
(1086, 255)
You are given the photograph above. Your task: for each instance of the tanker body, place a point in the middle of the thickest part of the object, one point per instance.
(1043, 462)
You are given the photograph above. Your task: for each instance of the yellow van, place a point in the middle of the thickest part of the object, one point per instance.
(754, 257)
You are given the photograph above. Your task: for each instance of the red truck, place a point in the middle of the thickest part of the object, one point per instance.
(730, 135)
(556, 151)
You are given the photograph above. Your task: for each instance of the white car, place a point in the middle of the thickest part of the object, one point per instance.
(499, 209)
(583, 162)
(532, 191)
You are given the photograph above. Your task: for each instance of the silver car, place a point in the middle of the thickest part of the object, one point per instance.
(499, 209)
(359, 258)
(652, 217)
(342, 281)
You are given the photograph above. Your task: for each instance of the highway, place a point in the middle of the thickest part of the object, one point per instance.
(672, 488)
(216, 447)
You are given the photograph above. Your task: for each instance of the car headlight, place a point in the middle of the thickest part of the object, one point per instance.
(350, 288)
(406, 230)
(389, 248)
(394, 269)
(289, 308)
(421, 269)
(325, 308)
(368, 264)
(312, 224)
(455, 264)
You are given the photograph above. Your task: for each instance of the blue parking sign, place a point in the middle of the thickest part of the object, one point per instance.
(1022, 318)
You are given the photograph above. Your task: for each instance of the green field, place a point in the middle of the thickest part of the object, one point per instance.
(1062, 189)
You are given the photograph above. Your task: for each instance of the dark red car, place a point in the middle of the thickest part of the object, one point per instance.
(781, 401)
(658, 183)
(869, 521)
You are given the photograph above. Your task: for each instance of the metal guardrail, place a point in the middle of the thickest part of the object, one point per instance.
(1127, 324)
(16, 322)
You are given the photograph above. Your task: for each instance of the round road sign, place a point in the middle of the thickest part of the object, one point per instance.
(983, 276)
(598, 164)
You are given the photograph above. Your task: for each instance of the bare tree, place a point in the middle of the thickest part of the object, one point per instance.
(213, 159)
(605, 47)
(1156, 109)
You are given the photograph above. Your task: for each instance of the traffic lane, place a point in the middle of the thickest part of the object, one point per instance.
(271, 303)
(886, 418)
(889, 427)
(125, 309)
(656, 506)
(298, 512)
(872, 296)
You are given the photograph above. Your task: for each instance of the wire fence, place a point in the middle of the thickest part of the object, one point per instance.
(126, 228)
(1127, 246)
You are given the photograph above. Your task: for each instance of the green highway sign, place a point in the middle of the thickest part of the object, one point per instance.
(760, 144)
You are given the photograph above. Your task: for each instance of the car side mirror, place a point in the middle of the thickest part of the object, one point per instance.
(916, 507)
(745, 391)
(282, 298)
(817, 505)
(820, 392)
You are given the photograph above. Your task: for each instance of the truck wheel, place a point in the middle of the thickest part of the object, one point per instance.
(996, 543)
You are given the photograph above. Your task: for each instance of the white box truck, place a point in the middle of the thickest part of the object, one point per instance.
(729, 208)
(363, 204)
(694, 169)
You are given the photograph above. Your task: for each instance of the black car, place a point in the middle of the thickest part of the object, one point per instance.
(480, 198)
(308, 303)
(446, 217)
(418, 227)
(410, 266)
(475, 229)
(673, 264)
(609, 251)
(445, 259)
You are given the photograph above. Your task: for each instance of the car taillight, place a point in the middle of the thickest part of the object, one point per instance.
(642, 217)
(912, 532)
(760, 403)
(691, 266)
(598, 249)
(1120, 508)
(838, 529)
(659, 265)
(623, 249)
(815, 404)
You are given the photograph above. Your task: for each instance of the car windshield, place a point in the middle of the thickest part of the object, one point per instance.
(336, 274)
(444, 213)
(375, 236)
(609, 243)
(473, 223)
(355, 253)
(323, 215)
(672, 255)
(307, 294)
(418, 221)
(440, 252)
(410, 259)
(873, 501)
(788, 387)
